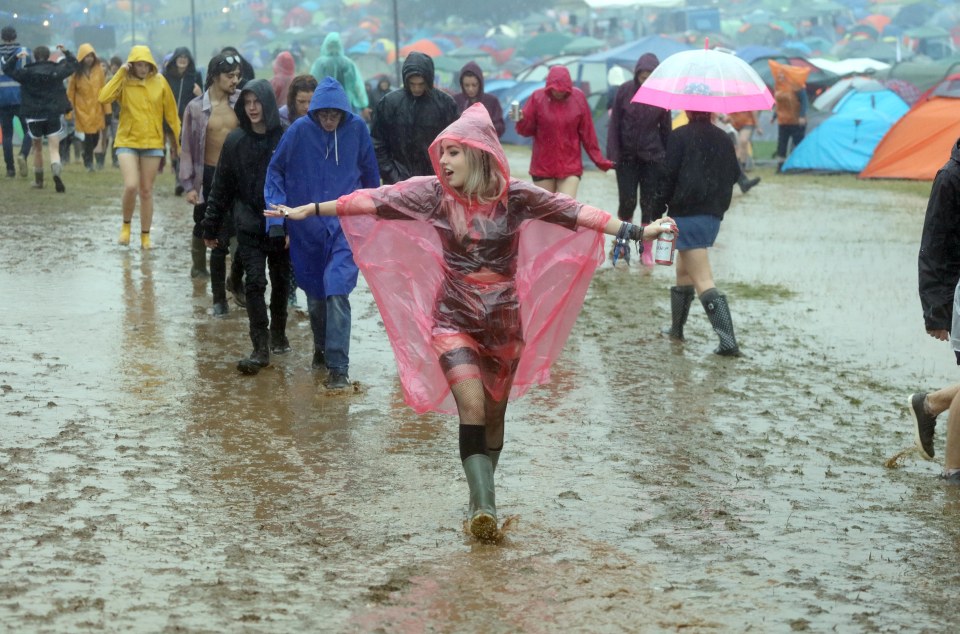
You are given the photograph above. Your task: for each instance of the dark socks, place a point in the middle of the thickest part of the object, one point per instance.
(473, 440)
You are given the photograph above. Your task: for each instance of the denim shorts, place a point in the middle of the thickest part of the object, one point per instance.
(697, 232)
(141, 152)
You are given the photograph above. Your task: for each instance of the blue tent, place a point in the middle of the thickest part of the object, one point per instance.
(846, 140)
(627, 54)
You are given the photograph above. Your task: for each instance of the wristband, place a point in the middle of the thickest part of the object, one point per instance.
(316, 208)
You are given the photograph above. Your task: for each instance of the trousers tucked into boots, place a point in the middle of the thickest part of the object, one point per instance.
(715, 303)
(483, 506)
(680, 299)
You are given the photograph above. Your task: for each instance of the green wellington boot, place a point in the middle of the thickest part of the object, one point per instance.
(483, 505)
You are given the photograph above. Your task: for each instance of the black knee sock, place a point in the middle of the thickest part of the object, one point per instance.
(473, 440)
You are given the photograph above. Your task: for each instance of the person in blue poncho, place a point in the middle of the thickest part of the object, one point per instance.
(324, 155)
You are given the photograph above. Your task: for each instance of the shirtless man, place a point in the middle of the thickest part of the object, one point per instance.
(207, 121)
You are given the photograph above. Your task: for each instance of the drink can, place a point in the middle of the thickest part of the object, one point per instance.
(514, 110)
(665, 245)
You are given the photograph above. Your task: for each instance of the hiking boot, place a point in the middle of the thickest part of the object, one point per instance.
(337, 380)
(319, 360)
(22, 166)
(279, 344)
(925, 424)
(220, 309)
(124, 238)
(951, 480)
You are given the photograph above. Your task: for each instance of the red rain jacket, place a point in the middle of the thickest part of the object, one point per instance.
(558, 127)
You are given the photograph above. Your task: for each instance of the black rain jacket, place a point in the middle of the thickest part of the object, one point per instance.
(939, 261)
(242, 170)
(404, 126)
(42, 93)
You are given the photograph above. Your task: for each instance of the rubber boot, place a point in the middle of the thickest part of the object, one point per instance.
(680, 299)
(494, 458)
(279, 344)
(746, 184)
(483, 507)
(715, 303)
(124, 238)
(260, 357)
(37, 179)
(57, 169)
(198, 255)
(100, 158)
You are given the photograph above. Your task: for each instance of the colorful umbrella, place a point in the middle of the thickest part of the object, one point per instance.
(705, 81)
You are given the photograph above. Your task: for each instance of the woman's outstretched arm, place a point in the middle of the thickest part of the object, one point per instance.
(327, 208)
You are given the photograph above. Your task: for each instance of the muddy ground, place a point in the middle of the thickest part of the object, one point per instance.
(146, 486)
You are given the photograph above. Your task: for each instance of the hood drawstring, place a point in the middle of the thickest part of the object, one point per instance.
(336, 148)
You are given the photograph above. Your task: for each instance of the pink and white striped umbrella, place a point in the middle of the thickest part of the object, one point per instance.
(706, 81)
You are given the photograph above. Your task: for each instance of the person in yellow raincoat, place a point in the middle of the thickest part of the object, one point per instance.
(146, 101)
(89, 115)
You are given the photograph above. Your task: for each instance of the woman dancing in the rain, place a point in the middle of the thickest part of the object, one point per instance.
(478, 288)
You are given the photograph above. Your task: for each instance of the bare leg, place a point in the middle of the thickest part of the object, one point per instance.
(941, 400)
(549, 184)
(130, 172)
(53, 145)
(149, 166)
(693, 269)
(38, 154)
(568, 186)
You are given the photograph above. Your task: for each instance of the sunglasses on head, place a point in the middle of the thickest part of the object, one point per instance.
(230, 60)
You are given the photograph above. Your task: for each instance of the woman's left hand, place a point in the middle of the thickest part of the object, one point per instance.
(655, 228)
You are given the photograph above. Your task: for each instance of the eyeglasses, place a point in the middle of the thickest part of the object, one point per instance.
(329, 115)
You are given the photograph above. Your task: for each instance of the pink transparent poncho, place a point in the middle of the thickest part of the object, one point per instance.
(504, 280)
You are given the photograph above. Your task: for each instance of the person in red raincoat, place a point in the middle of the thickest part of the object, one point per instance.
(559, 120)
(479, 278)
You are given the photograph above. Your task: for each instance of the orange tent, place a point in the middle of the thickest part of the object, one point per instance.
(422, 46)
(920, 142)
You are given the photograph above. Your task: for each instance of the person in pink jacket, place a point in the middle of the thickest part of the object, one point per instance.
(472, 314)
(559, 120)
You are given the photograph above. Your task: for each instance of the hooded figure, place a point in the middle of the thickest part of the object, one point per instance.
(182, 83)
(314, 163)
(239, 186)
(83, 90)
(405, 124)
(284, 68)
(472, 71)
(145, 104)
(420, 272)
(333, 62)
(559, 126)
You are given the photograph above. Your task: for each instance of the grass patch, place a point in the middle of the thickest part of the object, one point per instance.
(762, 292)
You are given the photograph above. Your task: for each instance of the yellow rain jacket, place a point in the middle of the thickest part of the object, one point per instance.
(83, 91)
(144, 105)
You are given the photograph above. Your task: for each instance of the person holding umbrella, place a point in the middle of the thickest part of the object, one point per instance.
(701, 170)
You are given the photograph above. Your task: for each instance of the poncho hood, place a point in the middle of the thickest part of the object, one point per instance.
(284, 64)
(475, 129)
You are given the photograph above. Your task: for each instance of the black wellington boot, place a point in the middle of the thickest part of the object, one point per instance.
(680, 299)
(198, 256)
(715, 303)
(260, 357)
(746, 184)
(483, 505)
